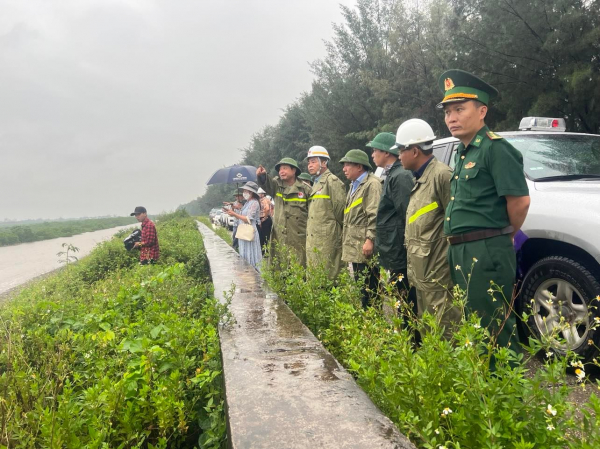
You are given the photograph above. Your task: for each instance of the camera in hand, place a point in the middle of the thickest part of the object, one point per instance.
(135, 236)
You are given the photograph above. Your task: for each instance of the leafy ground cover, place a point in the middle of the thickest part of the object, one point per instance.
(111, 354)
(459, 393)
(35, 232)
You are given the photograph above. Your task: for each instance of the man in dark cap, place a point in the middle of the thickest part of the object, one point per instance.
(149, 250)
(360, 217)
(291, 206)
(391, 212)
(488, 204)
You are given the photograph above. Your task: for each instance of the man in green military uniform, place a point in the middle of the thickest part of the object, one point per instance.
(488, 204)
(360, 217)
(391, 212)
(291, 206)
(325, 214)
(426, 245)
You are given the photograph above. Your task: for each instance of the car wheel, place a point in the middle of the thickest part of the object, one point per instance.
(559, 294)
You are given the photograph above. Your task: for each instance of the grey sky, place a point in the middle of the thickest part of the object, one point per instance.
(106, 104)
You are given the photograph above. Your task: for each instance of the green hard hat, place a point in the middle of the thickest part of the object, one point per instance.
(459, 85)
(289, 161)
(306, 177)
(384, 142)
(357, 157)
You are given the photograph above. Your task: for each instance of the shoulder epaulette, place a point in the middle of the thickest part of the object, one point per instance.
(493, 136)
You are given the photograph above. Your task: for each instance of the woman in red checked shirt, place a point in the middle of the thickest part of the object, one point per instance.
(149, 250)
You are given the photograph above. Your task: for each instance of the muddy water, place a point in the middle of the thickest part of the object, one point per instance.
(21, 263)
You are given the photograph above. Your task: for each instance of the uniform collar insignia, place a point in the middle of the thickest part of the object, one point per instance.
(470, 165)
(448, 84)
(477, 140)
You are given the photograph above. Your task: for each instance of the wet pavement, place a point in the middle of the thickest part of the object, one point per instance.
(283, 388)
(25, 262)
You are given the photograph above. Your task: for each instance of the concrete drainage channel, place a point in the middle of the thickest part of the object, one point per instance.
(283, 388)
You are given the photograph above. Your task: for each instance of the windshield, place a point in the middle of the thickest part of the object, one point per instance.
(550, 155)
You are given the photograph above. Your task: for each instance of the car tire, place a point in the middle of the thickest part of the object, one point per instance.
(559, 289)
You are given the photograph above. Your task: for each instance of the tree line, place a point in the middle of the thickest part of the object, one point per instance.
(384, 61)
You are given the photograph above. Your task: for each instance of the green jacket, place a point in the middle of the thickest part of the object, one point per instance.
(325, 220)
(291, 212)
(360, 216)
(391, 218)
(426, 244)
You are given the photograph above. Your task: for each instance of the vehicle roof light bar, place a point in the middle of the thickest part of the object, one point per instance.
(543, 124)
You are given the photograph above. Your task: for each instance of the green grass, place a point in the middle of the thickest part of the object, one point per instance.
(108, 353)
(465, 392)
(14, 235)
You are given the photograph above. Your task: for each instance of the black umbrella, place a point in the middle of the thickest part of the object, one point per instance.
(233, 175)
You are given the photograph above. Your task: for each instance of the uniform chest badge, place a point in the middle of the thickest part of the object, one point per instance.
(318, 192)
(470, 165)
(300, 195)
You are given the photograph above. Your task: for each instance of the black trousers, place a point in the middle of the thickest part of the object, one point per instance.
(264, 232)
(369, 290)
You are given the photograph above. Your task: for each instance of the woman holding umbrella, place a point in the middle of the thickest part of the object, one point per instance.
(250, 214)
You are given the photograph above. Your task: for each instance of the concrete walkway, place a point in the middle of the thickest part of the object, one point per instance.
(283, 389)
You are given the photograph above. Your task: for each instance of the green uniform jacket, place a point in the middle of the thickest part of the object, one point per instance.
(360, 216)
(391, 218)
(486, 170)
(325, 220)
(426, 244)
(427, 247)
(291, 212)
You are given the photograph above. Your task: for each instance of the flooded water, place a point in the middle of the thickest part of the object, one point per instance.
(21, 263)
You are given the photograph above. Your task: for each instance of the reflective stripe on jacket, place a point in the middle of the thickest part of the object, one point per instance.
(360, 215)
(325, 220)
(426, 245)
(290, 214)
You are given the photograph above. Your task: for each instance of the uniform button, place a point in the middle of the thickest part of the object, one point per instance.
(452, 199)
(467, 177)
(462, 157)
(456, 177)
(447, 218)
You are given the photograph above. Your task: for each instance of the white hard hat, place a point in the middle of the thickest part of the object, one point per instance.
(414, 132)
(317, 151)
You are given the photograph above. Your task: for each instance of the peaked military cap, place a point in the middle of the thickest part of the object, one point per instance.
(384, 142)
(459, 85)
(289, 161)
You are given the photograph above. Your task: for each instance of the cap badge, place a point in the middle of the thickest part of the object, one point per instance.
(448, 84)
(470, 165)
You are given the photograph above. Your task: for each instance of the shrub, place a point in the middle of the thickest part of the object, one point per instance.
(129, 358)
(462, 393)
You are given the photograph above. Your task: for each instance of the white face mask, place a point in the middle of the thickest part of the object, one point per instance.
(246, 195)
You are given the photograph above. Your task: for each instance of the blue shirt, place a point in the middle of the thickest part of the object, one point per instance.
(417, 174)
(357, 182)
